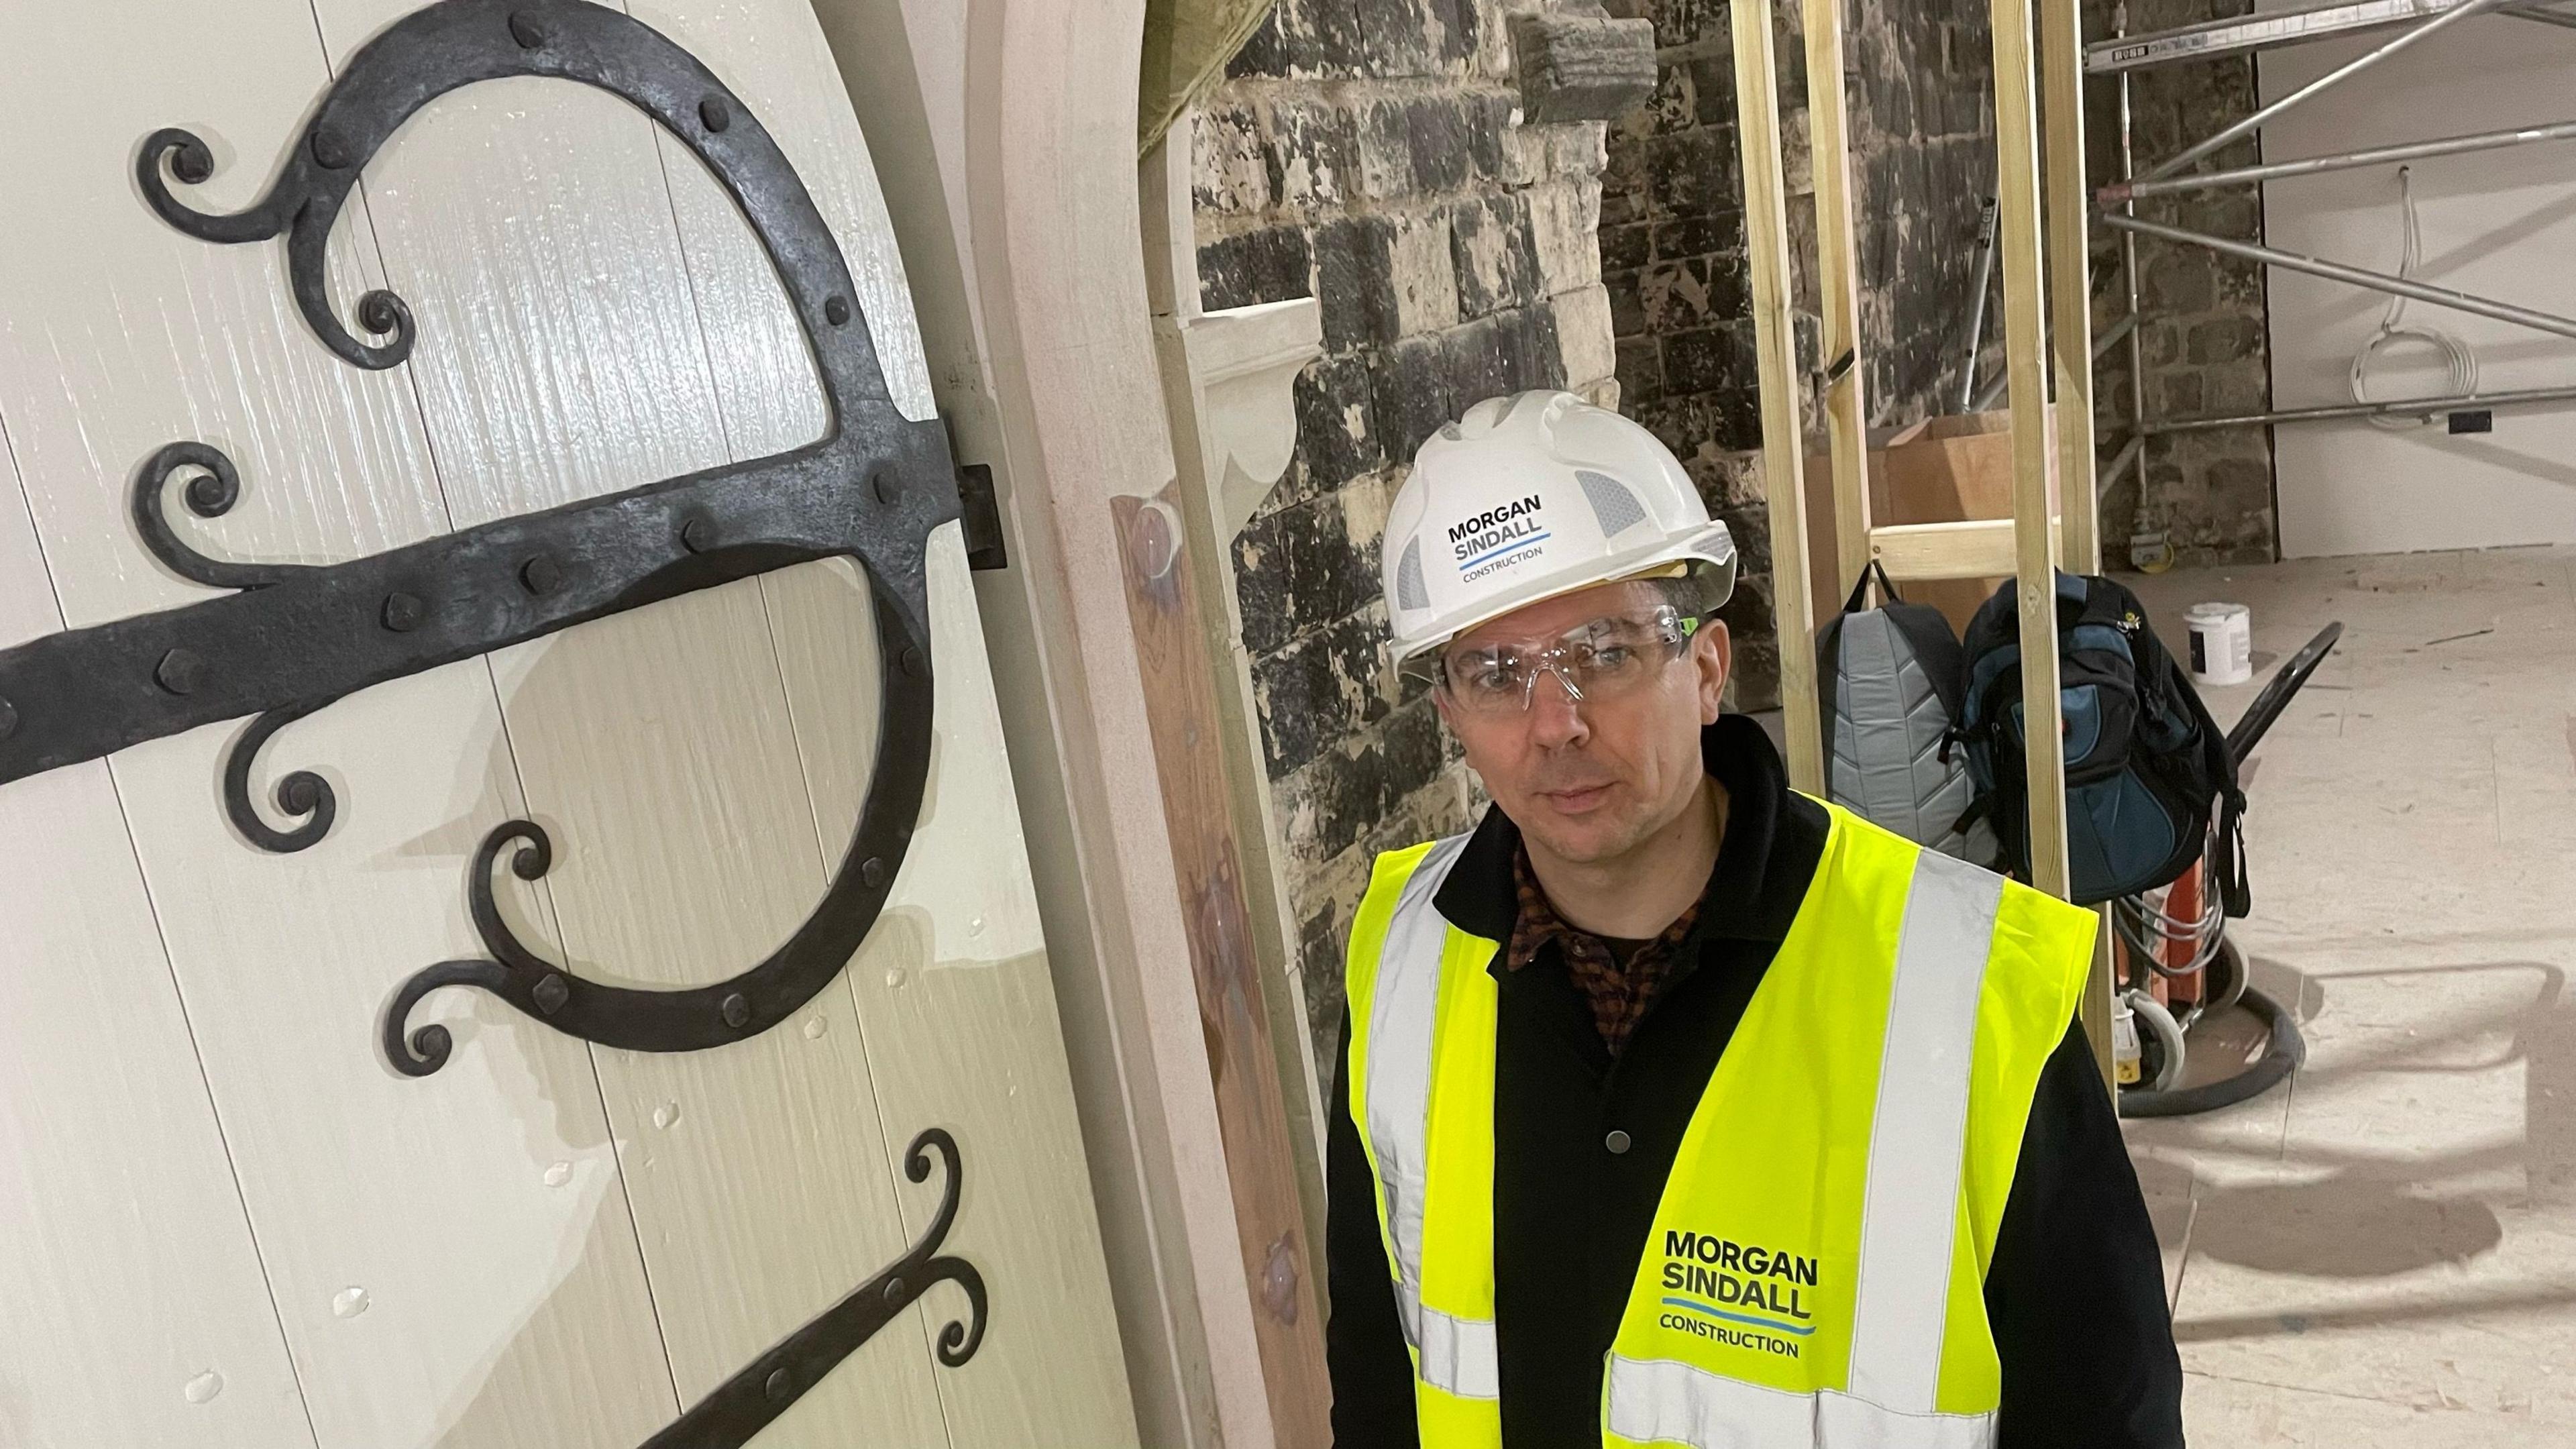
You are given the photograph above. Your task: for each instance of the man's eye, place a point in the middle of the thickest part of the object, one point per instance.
(1610, 656)
(1490, 678)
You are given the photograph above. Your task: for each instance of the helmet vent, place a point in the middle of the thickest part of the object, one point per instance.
(1409, 590)
(1612, 503)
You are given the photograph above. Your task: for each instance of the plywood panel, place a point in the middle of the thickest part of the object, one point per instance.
(131, 1305)
(452, 1262)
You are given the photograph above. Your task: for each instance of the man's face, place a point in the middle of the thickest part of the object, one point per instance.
(1588, 781)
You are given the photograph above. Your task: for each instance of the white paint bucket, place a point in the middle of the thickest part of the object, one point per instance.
(2222, 643)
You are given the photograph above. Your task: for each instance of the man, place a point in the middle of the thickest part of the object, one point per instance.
(1674, 1107)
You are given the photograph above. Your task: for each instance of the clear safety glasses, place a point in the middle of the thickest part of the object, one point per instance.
(1596, 663)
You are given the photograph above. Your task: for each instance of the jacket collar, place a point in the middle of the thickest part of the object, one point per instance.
(1746, 898)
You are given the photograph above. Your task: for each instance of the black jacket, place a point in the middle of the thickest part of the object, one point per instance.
(2075, 1290)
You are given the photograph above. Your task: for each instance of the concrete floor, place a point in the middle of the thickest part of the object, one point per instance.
(2383, 1251)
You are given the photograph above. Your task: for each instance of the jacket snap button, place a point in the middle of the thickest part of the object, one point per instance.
(1616, 1141)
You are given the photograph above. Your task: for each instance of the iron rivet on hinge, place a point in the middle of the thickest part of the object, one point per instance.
(297, 794)
(777, 1385)
(872, 872)
(552, 993)
(329, 151)
(525, 30)
(698, 534)
(737, 1010)
(8, 719)
(180, 672)
(836, 310)
(541, 575)
(894, 1290)
(193, 163)
(715, 113)
(403, 612)
(887, 490)
(911, 661)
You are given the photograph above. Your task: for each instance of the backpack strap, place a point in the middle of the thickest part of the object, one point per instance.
(1829, 646)
(1937, 650)
(1828, 686)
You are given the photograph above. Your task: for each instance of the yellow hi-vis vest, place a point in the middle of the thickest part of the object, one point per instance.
(1815, 1276)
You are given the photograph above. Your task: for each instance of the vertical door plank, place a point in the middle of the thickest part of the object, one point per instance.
(655, 745)
(961, 1018)
(132, 1310)
(450, 1259)
(772, 54)
(980, 1052)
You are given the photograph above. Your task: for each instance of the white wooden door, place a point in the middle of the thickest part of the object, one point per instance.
(225, 1219)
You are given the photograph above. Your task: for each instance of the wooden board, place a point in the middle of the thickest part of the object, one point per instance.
(953, 993)
(1942, 470)
(2025, 339)
(2070, 212)
(1251, 1099)
(1838, 284)
(1766, 221)
(94, 1051)
(428, 1275)
(2070, 292)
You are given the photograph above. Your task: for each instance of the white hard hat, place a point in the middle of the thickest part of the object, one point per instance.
(1531, 496)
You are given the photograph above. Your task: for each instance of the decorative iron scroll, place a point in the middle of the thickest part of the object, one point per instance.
(292, 638)
(745, 1404)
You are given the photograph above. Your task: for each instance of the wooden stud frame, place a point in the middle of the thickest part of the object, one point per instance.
(1766, 224)
(1838, 279)
(2050, 446)
(2061, 81)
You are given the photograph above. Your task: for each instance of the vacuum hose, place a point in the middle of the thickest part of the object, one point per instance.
(2281, 1056)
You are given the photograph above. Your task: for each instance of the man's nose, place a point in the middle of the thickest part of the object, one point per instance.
(1555, 714)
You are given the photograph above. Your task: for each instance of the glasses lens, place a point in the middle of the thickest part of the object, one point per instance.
(1487, 679)
(1598, 661)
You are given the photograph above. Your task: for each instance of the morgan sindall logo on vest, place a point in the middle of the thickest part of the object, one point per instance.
(1503, 537)
(1738, 1294)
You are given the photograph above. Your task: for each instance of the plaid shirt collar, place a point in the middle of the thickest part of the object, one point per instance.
(1619, 991)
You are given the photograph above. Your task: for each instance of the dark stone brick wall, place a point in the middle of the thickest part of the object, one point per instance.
(1673, 245)
(1919, 83)
(1368, 153)
(2204, 345)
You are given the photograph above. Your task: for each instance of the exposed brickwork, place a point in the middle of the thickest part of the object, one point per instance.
(1919, 78)
(2203, 337)
(1673, 245)
(1367, 153)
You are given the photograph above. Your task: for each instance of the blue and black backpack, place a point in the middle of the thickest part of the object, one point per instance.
(2146, 767)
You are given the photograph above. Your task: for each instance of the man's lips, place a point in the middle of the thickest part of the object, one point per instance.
(1576, 800)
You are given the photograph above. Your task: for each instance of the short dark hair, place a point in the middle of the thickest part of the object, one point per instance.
(1688, 592)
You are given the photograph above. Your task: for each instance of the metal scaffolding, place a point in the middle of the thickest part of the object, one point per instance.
(2116, 204)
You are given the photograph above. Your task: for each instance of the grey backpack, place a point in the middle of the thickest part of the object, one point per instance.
(1894, 680)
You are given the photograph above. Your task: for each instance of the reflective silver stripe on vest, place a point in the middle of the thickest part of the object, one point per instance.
(1456, 1354)
(1659, 1401)
(1917, 1148)
(1918, 1138)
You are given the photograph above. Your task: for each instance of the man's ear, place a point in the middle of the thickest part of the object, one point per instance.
(1712, 654)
